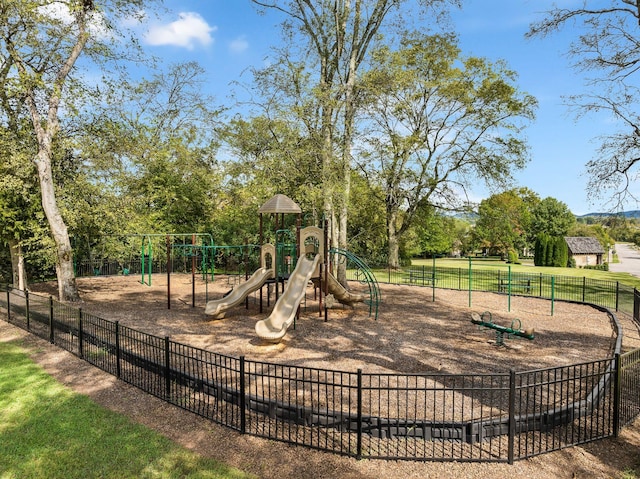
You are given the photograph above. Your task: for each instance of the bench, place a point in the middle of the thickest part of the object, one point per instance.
(419, 276)
(521, 286)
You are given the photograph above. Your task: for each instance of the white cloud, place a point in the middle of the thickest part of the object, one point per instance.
(60, 11)
(239, 45)
(189, 29)
(57, 11)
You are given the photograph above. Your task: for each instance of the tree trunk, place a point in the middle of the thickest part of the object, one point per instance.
(45, 131)
(19, 275)
(392, 238)
(67, 287)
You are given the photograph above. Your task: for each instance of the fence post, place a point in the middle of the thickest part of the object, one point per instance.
(26, 299)
(8, 304)
(359, 418)
(509, 286)
(470, 275)
(584, 287)
(617, 391)
(118, 370)
(433, 279)
(51, 337)
(617, 294)
(243, 413)
(80, 335)
(512, 415)
(553, 293)
(540, 285)
(167, 369)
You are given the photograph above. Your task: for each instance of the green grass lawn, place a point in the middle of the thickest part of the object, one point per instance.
(48, 431)
(528, 267)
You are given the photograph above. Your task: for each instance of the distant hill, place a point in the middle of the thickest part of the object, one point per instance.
(626, 214)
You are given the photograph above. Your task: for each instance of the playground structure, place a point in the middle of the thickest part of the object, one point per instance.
(514, 330)
(218, 308)
(292, 266)
(196, 253)
(148, 254)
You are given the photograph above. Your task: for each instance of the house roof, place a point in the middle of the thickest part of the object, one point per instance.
(584, 245)
(280, 204)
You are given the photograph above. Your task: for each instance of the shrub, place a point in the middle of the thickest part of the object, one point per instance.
(512, 257)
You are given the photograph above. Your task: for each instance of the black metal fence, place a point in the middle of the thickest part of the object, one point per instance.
(462, 417)
(609, 294)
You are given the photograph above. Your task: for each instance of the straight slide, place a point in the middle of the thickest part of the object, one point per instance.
(218, 307)
(274, 327)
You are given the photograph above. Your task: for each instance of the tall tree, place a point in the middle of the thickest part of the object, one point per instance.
(337, 36)
(504, 219)
(608, 50)
(438, 122)
(41, 42)
(153, 146)
(20, 210)
(552, 217)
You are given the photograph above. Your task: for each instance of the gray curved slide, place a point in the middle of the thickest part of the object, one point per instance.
(274, 327)
(218, 307)
(340, 293)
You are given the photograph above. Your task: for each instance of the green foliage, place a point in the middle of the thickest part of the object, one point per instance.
(367, 226)
(48, 431)
(596, 230)
(539, 249)
(504, 219)
(552, 217)
(598, 267)
(512, 257)
(436, 234)
(415, 98)
(551, 251)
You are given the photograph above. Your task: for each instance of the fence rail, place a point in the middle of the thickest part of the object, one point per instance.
(463, 417)
(606, 293)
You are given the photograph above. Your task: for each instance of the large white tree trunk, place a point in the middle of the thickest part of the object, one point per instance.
(67, 287)
(45, 131)
(392, 238)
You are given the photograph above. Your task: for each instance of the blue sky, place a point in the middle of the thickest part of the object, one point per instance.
(228, 36)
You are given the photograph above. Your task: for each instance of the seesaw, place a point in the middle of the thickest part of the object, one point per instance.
(515, 329)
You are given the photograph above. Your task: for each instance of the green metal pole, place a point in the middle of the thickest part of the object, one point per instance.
(509, 289)
(470, 275)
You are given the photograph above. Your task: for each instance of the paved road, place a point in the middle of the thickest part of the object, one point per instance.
(629, 257)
